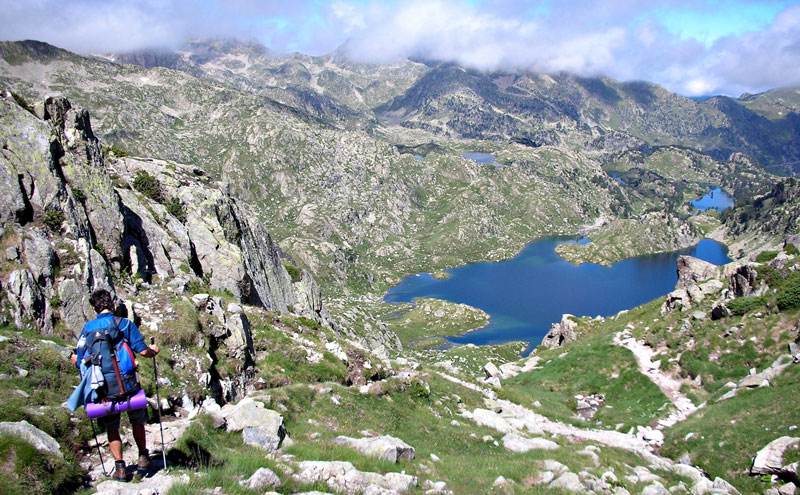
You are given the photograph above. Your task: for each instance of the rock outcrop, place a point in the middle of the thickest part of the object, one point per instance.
(260, 427)
(383, 447)
(561, 333)
(692, 271)
(33, 435)
(769, 460)
(78, 219)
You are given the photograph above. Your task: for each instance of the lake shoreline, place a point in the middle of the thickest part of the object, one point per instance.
(541, 286)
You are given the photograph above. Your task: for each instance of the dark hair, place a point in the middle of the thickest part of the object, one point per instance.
(100, 300)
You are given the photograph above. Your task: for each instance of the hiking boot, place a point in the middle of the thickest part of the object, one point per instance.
(144, 463)
(119, 472)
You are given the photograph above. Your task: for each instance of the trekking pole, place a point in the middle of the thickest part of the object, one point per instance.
(158, 401)
(97, 443)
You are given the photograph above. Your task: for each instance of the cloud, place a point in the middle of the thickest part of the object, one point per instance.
(620, 39)
(720, 51)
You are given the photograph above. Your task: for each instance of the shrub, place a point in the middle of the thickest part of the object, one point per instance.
(100, 248)
(79, 196)
(176, 208)
(22, 102)
(308, 322)
(118, 152)
(53, 220)
(196, 287)
(419, 390)
(791, 250)
(744, 305)
(789, 295)
(148, 185)
(294, 272)
(766, 256)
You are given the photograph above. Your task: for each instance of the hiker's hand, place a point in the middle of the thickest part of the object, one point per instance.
(150, 351)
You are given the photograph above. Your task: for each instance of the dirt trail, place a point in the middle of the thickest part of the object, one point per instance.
(652, 369)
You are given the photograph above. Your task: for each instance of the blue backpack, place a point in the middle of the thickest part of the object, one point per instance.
(107, 353)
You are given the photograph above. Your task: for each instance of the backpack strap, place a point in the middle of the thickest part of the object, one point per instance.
(125, 344)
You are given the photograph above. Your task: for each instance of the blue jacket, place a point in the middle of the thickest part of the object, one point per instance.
(128, 328)
(83, 393)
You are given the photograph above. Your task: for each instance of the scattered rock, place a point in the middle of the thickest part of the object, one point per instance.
(570, 482)
(159, 484)
(383, 447)
(261, 479)
(491, 370)
(262, 428)
(436, 488)
(655, 488)
(342, 476)
(720, 485)
(517, 443)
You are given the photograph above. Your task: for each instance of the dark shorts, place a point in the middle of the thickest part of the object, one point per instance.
(111, 422)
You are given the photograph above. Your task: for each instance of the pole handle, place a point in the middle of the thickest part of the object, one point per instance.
(152, 340)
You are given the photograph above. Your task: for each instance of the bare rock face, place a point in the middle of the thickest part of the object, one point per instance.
(83, 168)
(309, 301)
(561, 333)
(28, 301)
(743, 281)
(59, 203)
(692, 270)
(220, 240)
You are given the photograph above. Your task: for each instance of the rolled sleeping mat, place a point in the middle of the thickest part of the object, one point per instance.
(100, 409)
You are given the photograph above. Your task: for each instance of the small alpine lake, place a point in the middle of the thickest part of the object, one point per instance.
(481, 158)
(716, 199)
(524, 295)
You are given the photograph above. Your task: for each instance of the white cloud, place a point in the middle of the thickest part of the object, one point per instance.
(621, 38)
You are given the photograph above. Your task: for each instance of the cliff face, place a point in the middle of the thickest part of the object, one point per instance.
(70, 220)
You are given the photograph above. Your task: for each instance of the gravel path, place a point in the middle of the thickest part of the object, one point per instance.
(671, 387)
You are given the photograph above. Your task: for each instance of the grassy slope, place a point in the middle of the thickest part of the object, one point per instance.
(467, 463)
(36, 398)
(706, 353)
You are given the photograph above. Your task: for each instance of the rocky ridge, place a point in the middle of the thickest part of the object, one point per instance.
(75, 220)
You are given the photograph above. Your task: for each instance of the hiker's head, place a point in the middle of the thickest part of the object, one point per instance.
(101, 300)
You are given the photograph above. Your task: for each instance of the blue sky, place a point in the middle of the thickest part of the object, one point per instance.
(691, 47)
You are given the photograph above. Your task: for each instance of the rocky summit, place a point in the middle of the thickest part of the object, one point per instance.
(249, 211)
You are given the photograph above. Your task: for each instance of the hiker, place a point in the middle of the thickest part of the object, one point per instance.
(103, 304)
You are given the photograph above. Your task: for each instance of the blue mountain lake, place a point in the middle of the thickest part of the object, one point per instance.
(481, 157)
(524, 295)
(717, 199)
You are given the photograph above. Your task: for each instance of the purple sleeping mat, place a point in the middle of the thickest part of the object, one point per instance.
(100, 409)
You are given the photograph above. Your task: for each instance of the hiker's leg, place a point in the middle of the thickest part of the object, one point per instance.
(138, 419)
(115, 444)
(111, 424)
(140, 437)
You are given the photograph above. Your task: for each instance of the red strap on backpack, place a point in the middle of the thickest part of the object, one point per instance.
(125, 344)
